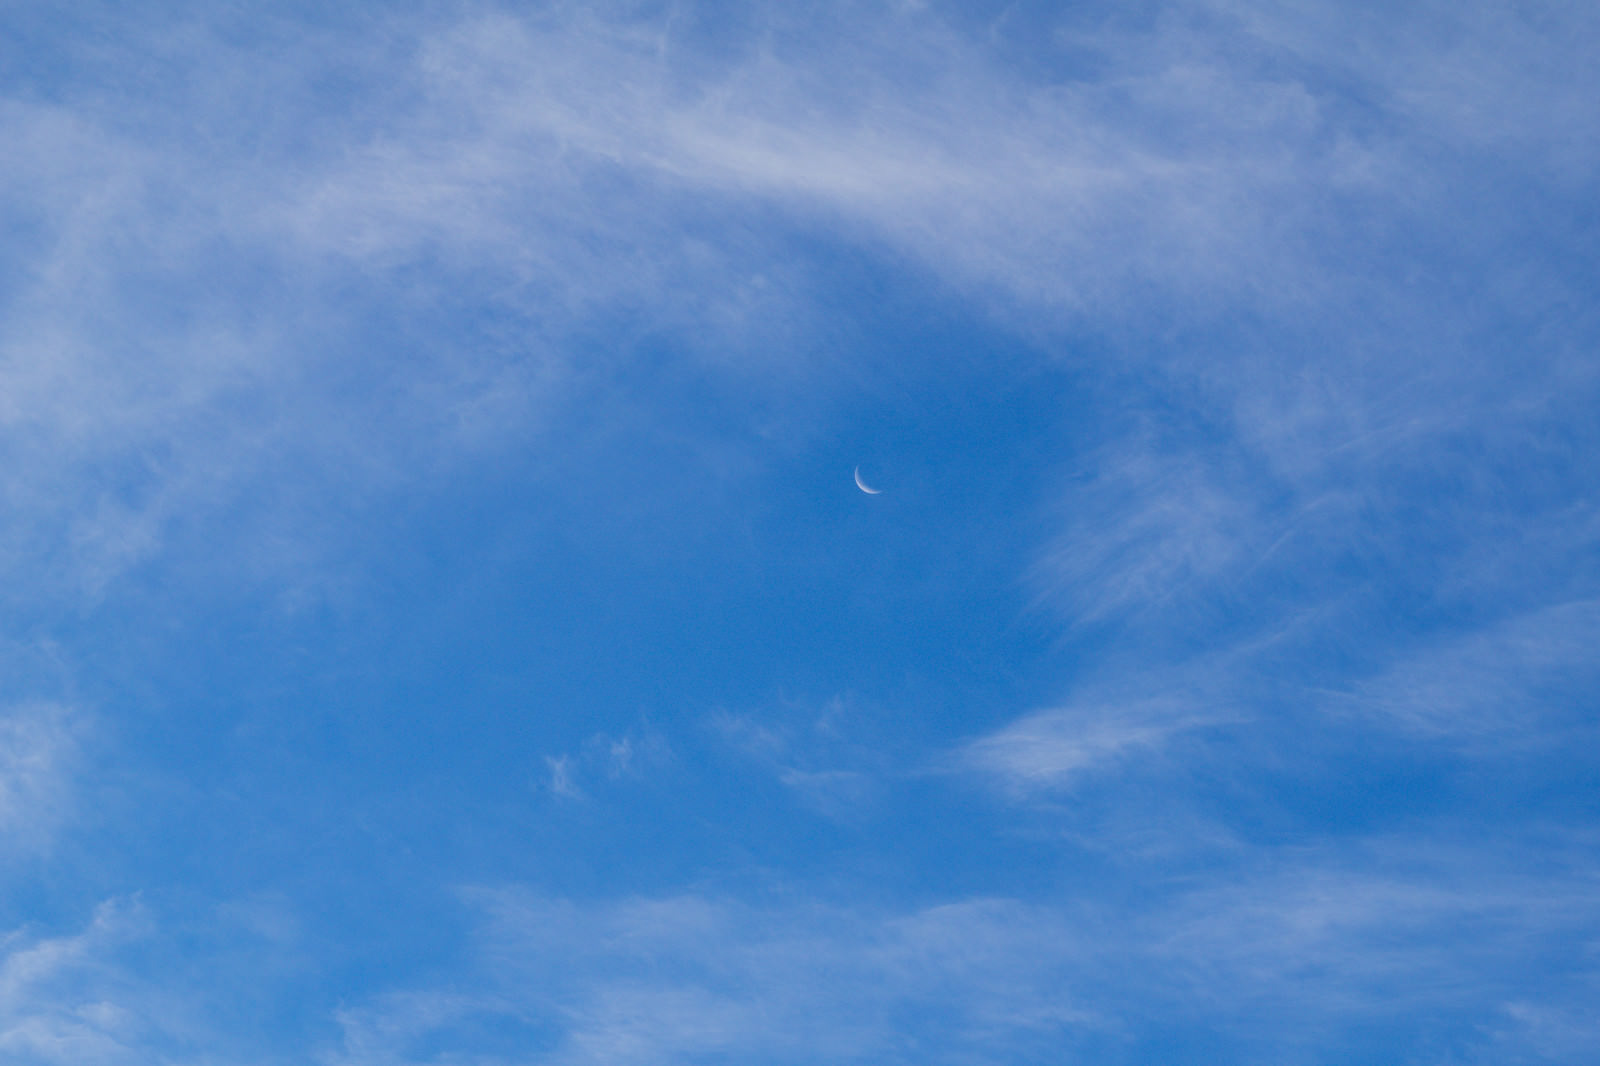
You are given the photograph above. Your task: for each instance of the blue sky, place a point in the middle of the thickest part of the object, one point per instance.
(440, 625)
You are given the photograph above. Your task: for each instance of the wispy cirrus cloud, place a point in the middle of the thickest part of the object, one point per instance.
(1523, 681)
(65, 1000)
(1060, 193)
(829, 755)
(1050, 750)
(678, 979)
(1339, 257)
(1335, 930)
(1480, 75)
(605, 759)
(1145, 532)
(40, 759)
(570, 165)
(1266, 954)
(134, 981)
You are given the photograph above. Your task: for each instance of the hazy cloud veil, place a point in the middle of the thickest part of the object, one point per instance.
(440, 625)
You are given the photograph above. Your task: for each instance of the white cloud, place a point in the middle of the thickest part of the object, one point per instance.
(678, 979)
(1055, 748)
(1408, 930)
(64, 1001)
(1527, 680)
(1278, 950)
(172, 342)
(834, 793)
(39, 757)
(830, 755)
(1565, 1031)
(1059, 194)
(134, 986)
(561, 783)
(604, 759)
(1476, 75)
(1144, 533)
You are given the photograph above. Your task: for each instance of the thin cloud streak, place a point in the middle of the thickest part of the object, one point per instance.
(1053, 749)
(1058, 195)
(62, 1001)
(676, 979)
(1277, 952)
(1525, 681)
(40, 759)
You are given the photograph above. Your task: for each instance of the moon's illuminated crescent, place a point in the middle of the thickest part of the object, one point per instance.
(863, 486)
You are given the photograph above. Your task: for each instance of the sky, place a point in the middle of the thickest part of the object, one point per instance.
(439, 623)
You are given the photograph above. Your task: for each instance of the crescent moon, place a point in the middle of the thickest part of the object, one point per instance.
(863, 486)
